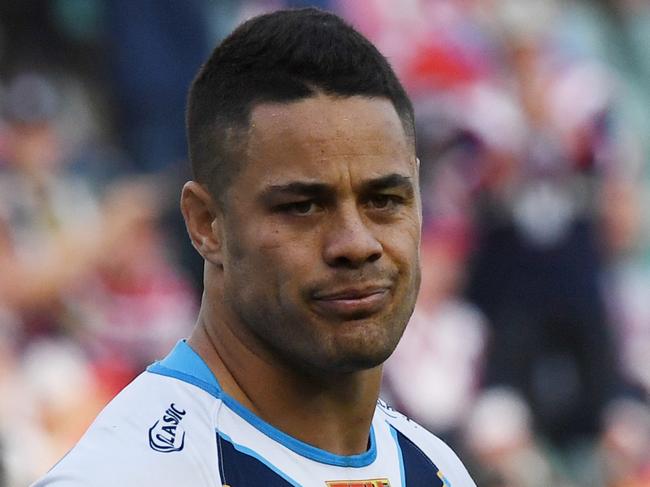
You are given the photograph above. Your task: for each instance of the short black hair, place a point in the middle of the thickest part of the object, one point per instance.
(283, 56)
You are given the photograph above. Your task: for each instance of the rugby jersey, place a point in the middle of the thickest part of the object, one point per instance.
(174, 426)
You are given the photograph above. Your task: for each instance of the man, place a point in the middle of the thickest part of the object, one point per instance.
(305, 208)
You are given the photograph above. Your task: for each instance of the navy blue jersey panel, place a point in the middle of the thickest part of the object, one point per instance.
(419, 470)
(240, 467)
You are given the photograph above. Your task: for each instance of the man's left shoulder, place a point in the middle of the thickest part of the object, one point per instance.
(425, 447)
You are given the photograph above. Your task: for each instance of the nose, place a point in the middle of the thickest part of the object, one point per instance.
(350, 242)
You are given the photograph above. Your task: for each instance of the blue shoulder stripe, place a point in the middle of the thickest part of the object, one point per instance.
(240, 465)
(417, 469)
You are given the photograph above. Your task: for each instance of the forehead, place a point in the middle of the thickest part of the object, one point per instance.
(323, 134)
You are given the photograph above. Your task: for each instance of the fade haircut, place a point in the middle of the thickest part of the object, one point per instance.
(284, 56)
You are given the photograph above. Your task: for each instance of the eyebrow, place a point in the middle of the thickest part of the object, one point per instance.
(390, 181)
(296, 188)
(303, 188)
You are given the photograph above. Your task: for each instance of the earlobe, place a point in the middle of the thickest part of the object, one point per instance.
(202, 220)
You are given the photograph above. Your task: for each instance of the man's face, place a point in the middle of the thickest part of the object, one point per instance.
(321, 234)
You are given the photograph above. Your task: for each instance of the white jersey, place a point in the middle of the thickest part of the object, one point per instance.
(174, 426)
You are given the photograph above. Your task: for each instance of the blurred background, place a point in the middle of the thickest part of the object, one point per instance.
(529, 350)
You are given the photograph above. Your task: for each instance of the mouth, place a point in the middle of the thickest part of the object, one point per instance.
(352, 302)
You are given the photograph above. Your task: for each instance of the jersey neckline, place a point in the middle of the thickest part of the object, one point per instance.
(184, 364)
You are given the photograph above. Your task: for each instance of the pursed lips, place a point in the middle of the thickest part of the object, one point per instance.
(353, 302)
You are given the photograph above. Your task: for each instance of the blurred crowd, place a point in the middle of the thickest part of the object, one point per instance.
(529, 349)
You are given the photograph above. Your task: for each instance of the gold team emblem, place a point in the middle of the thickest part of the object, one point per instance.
(374, 482)
(359, 483)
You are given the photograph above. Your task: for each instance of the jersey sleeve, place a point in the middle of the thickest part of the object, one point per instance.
(450, 464)
(451, 469)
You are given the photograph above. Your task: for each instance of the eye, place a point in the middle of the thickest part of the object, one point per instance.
(299, 208)
(384, 201)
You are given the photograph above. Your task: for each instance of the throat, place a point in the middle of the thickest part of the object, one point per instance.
(332, 413)
(334, 416)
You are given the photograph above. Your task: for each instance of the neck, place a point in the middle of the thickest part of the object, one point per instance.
(329, 411)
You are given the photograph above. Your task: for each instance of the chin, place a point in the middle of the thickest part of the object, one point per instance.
(341, 359)
(346, 366)
(357, 364)
(368, 356)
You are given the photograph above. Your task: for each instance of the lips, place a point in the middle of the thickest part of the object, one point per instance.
(353, 302)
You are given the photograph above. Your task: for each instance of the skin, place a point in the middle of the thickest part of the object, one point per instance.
(311, 265)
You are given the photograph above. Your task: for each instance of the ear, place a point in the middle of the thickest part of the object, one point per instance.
(203, 221)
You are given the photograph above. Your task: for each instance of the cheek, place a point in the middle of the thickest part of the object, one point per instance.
(288, 247)
(278, 259)
(402, 243)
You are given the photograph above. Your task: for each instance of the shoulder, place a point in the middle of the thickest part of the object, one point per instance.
(157, 431)
(423, 446)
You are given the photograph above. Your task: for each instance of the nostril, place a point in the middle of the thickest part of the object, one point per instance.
(374, 257)
(354, 262)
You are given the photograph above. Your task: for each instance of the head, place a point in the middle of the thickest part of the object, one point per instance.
(305, 200)
(32, 108)
(280, 57)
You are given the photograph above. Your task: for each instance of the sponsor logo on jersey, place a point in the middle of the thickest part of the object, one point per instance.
(359, 483)
(167, 434)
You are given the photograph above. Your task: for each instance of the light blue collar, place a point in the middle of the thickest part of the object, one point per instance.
(185, 364)
(184, 359)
